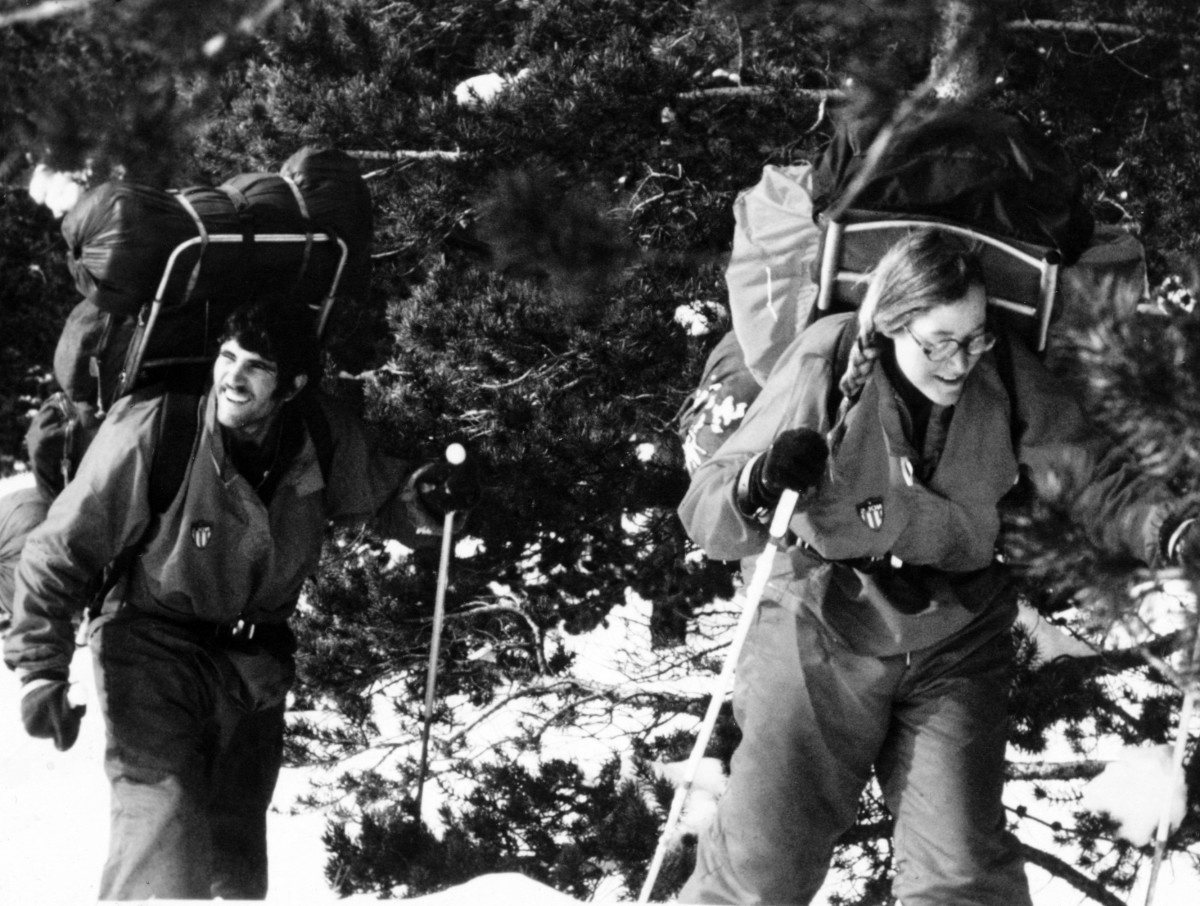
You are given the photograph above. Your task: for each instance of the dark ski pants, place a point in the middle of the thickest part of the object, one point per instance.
(817, 719)
(192, 763)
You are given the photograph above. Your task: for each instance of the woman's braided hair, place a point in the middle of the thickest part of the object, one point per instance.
(927, 268)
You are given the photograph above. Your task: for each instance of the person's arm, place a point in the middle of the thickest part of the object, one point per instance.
(714, 511)
(1075, 467)
(102, 510)
(399, 499)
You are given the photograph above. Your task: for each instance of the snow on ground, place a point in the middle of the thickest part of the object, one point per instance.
(54, 805)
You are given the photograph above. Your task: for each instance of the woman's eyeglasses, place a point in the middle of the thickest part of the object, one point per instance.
(944, 349)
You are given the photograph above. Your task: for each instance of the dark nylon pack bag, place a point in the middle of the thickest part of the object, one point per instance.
(940, 171)
(963, 165)
(199, 253)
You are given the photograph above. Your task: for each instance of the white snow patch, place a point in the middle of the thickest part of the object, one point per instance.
(484, 89)
(57, 190)
(1133, 789)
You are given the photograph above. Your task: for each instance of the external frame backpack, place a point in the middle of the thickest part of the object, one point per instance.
(792, 264)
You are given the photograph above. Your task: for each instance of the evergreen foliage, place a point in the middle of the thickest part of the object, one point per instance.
(524, 300)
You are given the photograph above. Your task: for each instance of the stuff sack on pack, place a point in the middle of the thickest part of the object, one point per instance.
(790, 263)
(160, 271)
(121, 236)
(718, 404)
(965, 165)
(58, 436)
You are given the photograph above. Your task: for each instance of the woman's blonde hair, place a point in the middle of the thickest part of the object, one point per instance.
(927, 268)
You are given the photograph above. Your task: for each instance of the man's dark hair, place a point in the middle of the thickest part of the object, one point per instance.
(281, 332)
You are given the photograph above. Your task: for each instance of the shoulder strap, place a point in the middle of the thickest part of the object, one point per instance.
(1007, 371)
(841, 361)
(176, 426)
(317, 425)
(178, 421)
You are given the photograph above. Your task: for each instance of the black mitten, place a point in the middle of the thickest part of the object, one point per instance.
(445, 486)
(795, 461)
(46, 711)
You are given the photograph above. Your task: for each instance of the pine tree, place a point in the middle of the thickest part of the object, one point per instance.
(530, 255)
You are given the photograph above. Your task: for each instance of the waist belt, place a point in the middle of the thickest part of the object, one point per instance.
(241, 633)
(878, 564)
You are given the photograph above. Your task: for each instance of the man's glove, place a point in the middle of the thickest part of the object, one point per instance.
(46, 711)
(446, 486)
(795, 461)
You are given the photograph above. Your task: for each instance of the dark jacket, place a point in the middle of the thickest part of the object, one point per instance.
(932, 542)
(218, 554)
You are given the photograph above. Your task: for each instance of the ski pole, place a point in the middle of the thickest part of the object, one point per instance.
(754, 592)
(456, 455)
(1186, 707)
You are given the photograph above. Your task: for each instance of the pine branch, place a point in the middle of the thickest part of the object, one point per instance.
(1121, 659)
(51, 9)
(1078, 27)
(1061, 770)
(407, 155)
(479, 608)
(1089, 887)
(755, 92)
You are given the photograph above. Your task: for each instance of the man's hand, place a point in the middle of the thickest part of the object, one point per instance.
(795, 461)
(1182, 545)
(47, 712)
(450, 484)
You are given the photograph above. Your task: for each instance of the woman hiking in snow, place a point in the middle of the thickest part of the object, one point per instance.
(883, 640)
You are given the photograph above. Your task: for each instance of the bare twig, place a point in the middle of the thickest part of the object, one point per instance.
(1089, 887)
(1085, 28)
(480, 608)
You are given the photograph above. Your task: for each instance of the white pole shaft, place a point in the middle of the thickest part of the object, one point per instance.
(435, 642)
(758, 584)
(1163, 831)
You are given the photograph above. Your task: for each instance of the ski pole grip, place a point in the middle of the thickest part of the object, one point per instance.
(783, 515)
(459, 479)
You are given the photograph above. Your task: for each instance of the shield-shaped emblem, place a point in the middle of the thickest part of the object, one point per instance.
(870, 511)
(201, 533)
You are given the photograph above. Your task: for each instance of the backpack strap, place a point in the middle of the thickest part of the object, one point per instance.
(178, 421)
(176, 428)
(317, 425)
(840, 362)
(1004, 365)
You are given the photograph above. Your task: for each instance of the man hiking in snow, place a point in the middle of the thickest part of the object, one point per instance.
(193, 652)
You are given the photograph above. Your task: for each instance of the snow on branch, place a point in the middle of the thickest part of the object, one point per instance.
(1048, 770)
(50, 9)
(247, 25)
(754, 92)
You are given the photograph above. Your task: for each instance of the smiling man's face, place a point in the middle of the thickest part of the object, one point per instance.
(248, 393)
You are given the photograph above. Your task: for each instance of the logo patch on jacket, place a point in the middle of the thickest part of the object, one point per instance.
(201, 533)
(870, 511)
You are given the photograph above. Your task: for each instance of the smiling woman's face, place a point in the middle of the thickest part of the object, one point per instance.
(942, 382)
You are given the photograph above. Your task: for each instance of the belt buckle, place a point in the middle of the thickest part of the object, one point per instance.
(242, 631)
